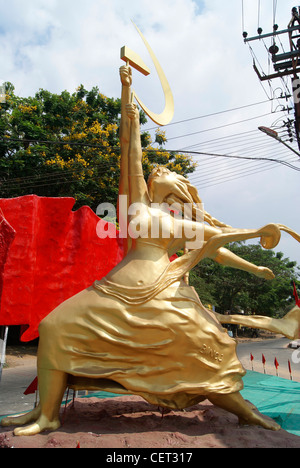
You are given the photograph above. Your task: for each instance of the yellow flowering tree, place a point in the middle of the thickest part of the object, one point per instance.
(67, 145)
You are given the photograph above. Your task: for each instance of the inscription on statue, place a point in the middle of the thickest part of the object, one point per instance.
(208, 351)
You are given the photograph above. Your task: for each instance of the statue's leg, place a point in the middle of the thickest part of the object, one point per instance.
(235, 404)
(289, 326)
(52, 385)
(22, 419)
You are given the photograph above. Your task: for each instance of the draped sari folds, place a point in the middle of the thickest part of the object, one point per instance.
(158, 341)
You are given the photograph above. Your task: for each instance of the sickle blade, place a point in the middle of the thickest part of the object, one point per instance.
(166, 116)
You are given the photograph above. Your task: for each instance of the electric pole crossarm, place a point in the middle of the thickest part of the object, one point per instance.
(275, 75)
(275, 33)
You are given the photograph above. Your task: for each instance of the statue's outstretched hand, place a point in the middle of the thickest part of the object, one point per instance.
(265, 273)
(270, 236)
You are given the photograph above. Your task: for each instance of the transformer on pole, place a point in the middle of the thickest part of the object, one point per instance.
(286, 63)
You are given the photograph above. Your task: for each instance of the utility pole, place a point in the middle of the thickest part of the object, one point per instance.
(284, 64)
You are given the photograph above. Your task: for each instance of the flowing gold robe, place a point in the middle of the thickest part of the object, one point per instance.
(158, 342)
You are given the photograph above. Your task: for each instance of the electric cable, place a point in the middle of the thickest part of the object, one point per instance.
(227, 168)
(213, 114)
(220, 126)
(232, 176)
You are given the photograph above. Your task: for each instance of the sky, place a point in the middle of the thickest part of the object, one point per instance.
(219, 100)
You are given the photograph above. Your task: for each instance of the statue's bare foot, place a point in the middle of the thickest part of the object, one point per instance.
(243, 409)
(258, 420)
(21, 419)
(42, 424)
(291, 324)
(251, 405)
(265, 273)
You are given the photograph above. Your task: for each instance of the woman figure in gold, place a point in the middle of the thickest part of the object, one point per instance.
(142, 330)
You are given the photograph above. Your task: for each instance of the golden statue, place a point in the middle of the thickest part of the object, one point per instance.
(142, 330)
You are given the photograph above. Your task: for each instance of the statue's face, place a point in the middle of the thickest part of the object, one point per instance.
(162, 186)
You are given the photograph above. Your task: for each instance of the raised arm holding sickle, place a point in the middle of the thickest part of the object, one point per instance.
(126, 80)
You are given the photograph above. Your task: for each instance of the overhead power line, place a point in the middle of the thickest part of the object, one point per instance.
(224, 167)
(249, 158)
(213, 114)
(223, 126)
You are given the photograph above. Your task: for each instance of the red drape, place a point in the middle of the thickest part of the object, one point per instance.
(48, 253)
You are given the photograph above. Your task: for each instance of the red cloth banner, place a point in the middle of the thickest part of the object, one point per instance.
(48, 253)
(7, 235)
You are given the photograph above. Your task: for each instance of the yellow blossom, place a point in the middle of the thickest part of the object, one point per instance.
(26, 108)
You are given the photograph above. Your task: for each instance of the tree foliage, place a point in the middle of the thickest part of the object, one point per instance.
(233, 290)
(68, 145)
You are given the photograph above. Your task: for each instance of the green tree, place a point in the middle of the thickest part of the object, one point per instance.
(231, 289)
(67, 145)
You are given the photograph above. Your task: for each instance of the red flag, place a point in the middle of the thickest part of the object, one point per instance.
(276, 363)
(296, 296)
(263, 359)
(32, 387)
(251, 357)
(290, 369)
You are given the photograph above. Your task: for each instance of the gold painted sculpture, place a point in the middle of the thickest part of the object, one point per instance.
(142, 330)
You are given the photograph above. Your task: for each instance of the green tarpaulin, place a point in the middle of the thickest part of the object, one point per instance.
(275, 397)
